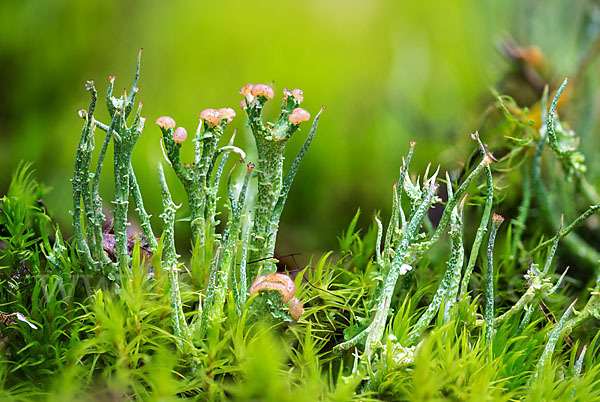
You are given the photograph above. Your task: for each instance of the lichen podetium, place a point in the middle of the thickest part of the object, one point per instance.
(271, 139)
(124, 138)
(197, 177)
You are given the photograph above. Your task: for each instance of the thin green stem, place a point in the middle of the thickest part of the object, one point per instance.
(374, 332)
(180, 326)
(481, 231)
(489, 280)
(289, 178)
(96, 200)
(460, 192)
(230, 240)
(455, 263)
(552, 139)
(139, 207)
(525, 320)
(397, 212)
(561, 235)
(574, 243)
(81, 179)
(552, 341)
(243, 288)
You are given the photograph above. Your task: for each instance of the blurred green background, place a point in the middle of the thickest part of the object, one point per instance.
(389, 72)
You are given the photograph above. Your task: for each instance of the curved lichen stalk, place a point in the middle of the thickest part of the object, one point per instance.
(374, 332)
(397, 220)
(448, 287)
(552, 341)
(287, 183)
(575, 243)
(485, 217)
(241, 284)
(407, 251)
(457, 254)
(398, 261)
(460, 192)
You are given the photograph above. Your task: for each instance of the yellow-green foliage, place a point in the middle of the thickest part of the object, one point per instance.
(383, 320)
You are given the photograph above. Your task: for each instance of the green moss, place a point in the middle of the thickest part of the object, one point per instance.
(173, 329)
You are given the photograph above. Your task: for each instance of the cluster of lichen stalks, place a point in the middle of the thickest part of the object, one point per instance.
(242, 237)
(405, 244)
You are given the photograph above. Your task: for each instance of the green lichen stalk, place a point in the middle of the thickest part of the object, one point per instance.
(139, 207)
(552, 341)
(271, 139)
(397, 220)
(81, 183)
(124, 138)
(591, 309)
(460, 192)
(243, 277)
(196, 177)
(457, 255)
(489, 279)
(485, 217)
(398, 267)
(569, 161)
(214, 301)
(539, 288)
(123, 151)
(448, 288)
(180, 325)
(97, 200)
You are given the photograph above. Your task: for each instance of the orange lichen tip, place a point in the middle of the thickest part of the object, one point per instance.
(227, 113)
(165, 122)
(246, 89)
(298, 95)
(275, 281)
(262, 90)
(298, 116)
(498, 219)
(211, 117)
(296, 308)
(179, 135)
